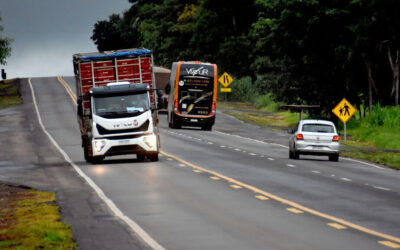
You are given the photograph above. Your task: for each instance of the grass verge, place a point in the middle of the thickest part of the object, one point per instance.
(276, 121)
(9, 94)
(261, 116)
(30, 220)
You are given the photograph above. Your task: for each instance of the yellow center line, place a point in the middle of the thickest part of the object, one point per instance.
(294, 210)
(287, 202)
(215, 178)
(68, 89)
(262, 197)
(236, 186)
(390, 244)
(336, 225)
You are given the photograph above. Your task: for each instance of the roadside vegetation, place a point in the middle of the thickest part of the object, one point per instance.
(9, 95)
(30, 219)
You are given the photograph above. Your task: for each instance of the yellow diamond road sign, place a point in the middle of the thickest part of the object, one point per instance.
(344, 110)
(225, 80)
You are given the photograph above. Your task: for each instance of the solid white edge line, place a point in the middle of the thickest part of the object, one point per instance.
(133, 225)
(365, 163)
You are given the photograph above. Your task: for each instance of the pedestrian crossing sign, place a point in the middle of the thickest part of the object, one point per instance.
(225, 80)
(344, 110)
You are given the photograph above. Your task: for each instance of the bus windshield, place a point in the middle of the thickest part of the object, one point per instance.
(195, 89)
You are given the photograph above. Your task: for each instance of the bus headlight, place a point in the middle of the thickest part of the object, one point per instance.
(151, 141)
(99, 145)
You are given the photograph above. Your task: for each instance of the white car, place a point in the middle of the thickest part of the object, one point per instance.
(314, 137)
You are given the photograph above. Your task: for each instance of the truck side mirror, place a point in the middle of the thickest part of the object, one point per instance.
(79, 107)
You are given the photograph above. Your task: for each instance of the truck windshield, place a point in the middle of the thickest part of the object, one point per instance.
(121, 106)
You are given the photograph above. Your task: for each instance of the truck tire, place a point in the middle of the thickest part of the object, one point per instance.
(86, 153)
(152, 156)
(97, 159)
(140, 157)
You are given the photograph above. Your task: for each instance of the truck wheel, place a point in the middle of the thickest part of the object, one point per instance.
(140, 157)
(97, 159)
(86, 154)
(152, 156)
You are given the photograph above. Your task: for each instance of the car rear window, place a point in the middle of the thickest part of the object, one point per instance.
(321, 128)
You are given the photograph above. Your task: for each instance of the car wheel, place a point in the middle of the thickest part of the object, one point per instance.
(334, 157)
(291, 155)
(296, 155)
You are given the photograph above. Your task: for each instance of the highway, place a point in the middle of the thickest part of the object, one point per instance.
(230, 188)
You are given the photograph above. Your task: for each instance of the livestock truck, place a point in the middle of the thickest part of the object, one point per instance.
(117, 104)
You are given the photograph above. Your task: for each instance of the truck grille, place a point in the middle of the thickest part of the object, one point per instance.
(104, 131)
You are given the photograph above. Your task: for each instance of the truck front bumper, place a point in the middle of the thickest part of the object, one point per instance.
(109, 147)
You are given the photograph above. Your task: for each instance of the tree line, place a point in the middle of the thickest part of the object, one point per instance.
(5, 47)
(301, 51)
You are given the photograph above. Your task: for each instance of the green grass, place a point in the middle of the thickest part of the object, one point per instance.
(375, 137)
(34, 223)
(381, 128)
(386, 158)
(9, 95)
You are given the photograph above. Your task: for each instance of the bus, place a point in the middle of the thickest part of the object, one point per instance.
(192, 95)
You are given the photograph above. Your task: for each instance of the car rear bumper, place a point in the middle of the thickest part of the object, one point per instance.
(317, 149)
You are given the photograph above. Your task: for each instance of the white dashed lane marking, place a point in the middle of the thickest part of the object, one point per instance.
(382, 188)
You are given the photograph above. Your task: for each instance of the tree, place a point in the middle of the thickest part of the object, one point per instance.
(107, 34)
(5, 49)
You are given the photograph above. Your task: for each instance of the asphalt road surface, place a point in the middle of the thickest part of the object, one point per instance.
(230, 188)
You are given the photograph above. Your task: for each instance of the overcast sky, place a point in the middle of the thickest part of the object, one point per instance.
(47, 32)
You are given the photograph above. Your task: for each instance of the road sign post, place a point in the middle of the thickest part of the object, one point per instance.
(344, 110)
(225, 80)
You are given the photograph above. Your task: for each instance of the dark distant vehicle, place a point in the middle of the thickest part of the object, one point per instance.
(314, 137)
(161, 78)
(192, 95)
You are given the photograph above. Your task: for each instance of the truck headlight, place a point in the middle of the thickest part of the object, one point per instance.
(99, 145)
(151, 141)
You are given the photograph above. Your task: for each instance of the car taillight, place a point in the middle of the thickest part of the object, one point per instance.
(299, 137)
(335, 138)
